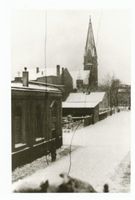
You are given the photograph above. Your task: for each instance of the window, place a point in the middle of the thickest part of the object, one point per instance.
(38, 123)
(18, 127)
(54, 115)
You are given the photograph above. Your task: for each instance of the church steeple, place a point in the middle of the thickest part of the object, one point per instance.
(90, 58)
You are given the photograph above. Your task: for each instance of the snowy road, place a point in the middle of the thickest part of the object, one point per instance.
(104, 144)
(102, 147)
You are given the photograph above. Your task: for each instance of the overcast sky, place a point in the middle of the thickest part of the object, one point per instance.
(66, 38)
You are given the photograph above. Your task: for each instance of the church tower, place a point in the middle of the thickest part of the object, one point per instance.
(90, 59)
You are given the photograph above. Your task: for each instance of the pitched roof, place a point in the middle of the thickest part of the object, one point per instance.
(34, 87)
(82, 100)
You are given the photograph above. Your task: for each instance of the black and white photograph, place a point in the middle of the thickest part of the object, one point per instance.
(70, 100)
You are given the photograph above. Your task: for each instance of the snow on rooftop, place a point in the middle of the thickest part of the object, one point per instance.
(83, 97)
(33, 87)
(49, 71)
(83, 100)
(33, 74)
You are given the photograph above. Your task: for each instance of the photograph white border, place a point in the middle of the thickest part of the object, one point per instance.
(5, 100)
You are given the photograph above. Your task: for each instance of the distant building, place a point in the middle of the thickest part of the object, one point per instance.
(36, 120)
(124, 95)
(82, 81)
(82, 104)
(67, 81)
(48, 75)
(79, 84)
(61, 78)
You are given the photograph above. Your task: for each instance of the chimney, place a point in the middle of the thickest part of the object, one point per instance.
(37, 69)
(62, 76)
(63, 70)
(25, 77)
(58, 70)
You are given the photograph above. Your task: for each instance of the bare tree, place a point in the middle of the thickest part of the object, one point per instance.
(110, 84)
(115, 84)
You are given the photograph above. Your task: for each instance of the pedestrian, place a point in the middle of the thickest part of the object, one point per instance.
(106, 188)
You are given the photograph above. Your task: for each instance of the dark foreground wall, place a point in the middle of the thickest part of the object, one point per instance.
(28, 154)
(36, 124)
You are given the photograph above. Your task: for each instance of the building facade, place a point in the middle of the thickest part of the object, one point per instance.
(82, 105)
(36, 121)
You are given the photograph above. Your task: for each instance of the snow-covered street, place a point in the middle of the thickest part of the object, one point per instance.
(104, 145)
(101, 148)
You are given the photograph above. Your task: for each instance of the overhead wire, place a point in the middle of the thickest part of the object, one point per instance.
(98, 28)
(45, 74)
(70, 148)
(45, 47)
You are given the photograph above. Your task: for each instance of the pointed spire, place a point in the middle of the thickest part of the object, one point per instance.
(90, 58)
(90, 19)
(90, 48)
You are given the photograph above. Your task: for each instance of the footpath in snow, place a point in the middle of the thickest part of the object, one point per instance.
(101, 149)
